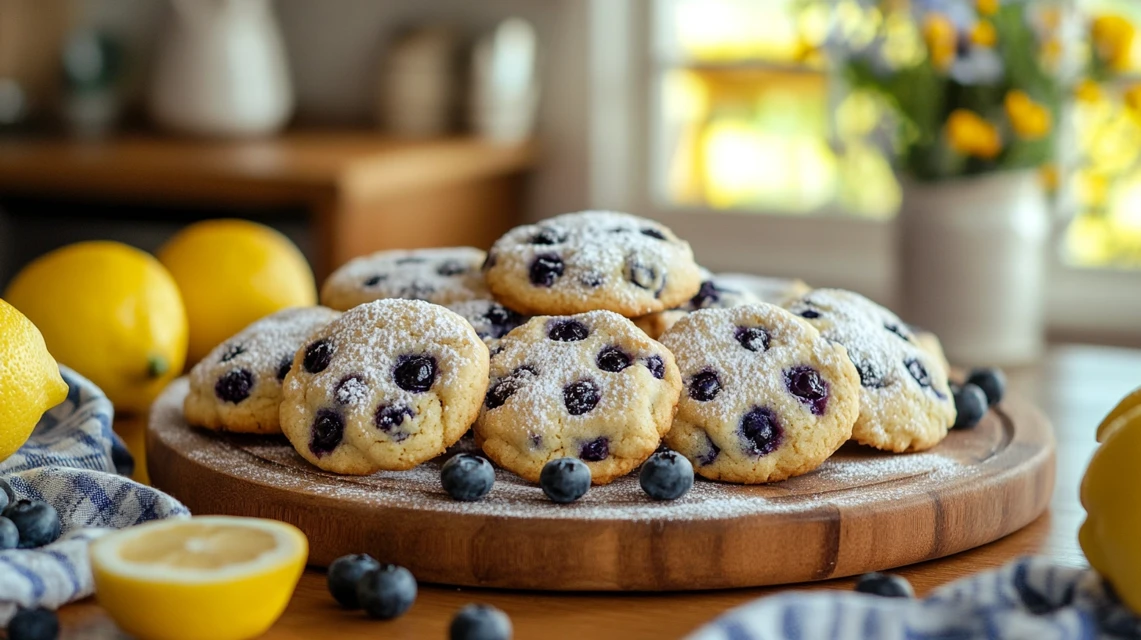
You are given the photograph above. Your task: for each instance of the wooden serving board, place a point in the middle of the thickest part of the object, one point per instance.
(861, 511)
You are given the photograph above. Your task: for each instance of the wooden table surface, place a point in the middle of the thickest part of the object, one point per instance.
(1075, 386)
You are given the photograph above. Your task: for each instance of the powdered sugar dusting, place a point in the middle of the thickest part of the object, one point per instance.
(439, 275)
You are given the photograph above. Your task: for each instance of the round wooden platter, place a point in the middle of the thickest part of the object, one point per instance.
(861, 511)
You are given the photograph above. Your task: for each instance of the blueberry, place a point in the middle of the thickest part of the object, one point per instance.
(234, 386)
(886, 585)
(612, 359)
(466, 477)
(389, 417)
(9, 534)
(811, 314)
(33, 624)
(752, 338)
(568, 331)
(500, 391)
(451, 268)
(643, 275)
(415, 373)
(711, 453)
(546, 269)
(232, 352)
(971, 405)
(869, 377)
(656, 366)
(918, 372)
(565, 480)
(386, 592)
(372, 281)
(548, 235)
(284, 366)
(806, 384)
(345, 573)
(992, 381)
(653, 233)
(706, 296)
(502, 320)
(596, 450)
(8, 492)
(667, 475)
(581, 397)
(480, 622)
(704, 386)
(328, 430)
(761, 431)
(318, 356)
(37, 521)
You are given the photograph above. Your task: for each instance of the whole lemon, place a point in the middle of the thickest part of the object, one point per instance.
(231, 273)
(30, 383)
(109, 311)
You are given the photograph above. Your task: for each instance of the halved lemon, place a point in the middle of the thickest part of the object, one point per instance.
(217, 577)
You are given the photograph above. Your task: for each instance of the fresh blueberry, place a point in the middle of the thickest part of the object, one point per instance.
(451, 268)
(565, 480)
(992, 381)
(8, 492)
(752, 338)
(886, 585)
(372, 281)
(415, 373)
(568, 331)
(971, 405)
(548, 235)
(9, 534)
(345, 573)
(596, 450)
(234, 386)
(328, 430)
(318, 356)
(466, 477)
(806, 384)
(233, 352)
(284, 366)
(656, 366)
(612, 359)
(667, 475)
(811, 314)
(918, 372)
(581, 397)
(33, 624)
(480, 622)
(761, 431)
(546, 269)
(704, 386)
(653, 233)
(37, 521)
(389, 417)
(386, 592)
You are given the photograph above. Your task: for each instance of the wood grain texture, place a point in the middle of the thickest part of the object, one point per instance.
(862, 511)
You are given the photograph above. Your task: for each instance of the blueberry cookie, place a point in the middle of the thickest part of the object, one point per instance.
(389, 385)
(490, 319)
(713, 294)
(905, 402)
(592, 260)
(441, 276)
(590, 386)
(237, 387)
(766, 396)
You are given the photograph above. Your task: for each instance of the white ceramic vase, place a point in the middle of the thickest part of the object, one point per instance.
(221, 70)
(972, 265)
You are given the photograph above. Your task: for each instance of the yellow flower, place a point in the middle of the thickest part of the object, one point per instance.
(984, 34)
(939, 33)
(1088, 91)
(1052, 51)
(1112, 37)
(1030, 120)
(970, 134)
(987, 7)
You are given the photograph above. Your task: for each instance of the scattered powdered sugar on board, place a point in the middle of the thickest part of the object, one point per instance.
(855, 476)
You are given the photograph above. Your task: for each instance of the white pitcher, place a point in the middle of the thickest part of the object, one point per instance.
(221, 70)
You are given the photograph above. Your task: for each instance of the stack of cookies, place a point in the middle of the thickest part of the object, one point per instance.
(590, 335)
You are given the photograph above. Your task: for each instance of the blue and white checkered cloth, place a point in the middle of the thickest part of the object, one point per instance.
(1029, 599)
(73, 461)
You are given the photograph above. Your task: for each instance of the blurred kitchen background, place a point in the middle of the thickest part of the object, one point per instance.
(746, 125)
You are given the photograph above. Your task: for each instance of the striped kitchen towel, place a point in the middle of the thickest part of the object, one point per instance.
(1030, 598)
(73, 460)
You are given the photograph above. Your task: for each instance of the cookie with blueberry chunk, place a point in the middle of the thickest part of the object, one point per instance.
(490, 319)
(905, 400)
(237, 387)
(713, 294)
(592, 260)
(441, 276)
(390, 384)
(766, 397)
(590, 386)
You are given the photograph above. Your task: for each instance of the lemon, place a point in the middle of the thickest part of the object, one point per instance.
(30, 383)
(1127, 404)
(112, 313)
(216, 577)
(231, 273)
